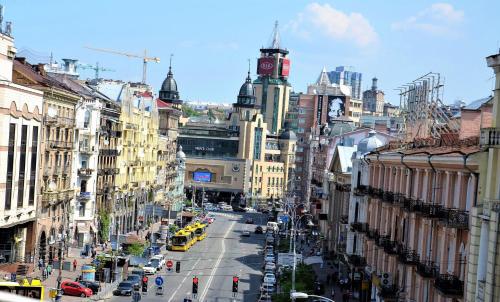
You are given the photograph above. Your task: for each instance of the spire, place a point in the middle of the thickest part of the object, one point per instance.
(248, 77)
(170, 65)
(275, 38)
(323, 78)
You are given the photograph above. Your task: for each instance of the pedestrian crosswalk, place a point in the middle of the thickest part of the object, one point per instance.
(225, 214)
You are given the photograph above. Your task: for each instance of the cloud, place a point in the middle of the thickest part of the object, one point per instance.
(438, 19)
(334, 24)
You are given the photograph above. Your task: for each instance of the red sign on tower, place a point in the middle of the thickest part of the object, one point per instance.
(285, 67)
(265, 66)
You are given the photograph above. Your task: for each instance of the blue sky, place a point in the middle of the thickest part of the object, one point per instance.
(396, 41)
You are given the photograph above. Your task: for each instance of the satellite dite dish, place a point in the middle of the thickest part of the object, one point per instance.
(52, 186)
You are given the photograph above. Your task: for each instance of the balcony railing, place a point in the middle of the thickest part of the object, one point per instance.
(412, 205)
(108, 152)
(427, 269)
(390, 247)
(344, 219)
(388, 196)
(399, 199)
(449, 285)
(382, 239)
(490, 137)
(85, 172)
(408, 256)
(360, 190)
(372, 234)
(361, 227)
(455, 218)
(431, 210)
(85, 148)
(356, 260)
(59, 144)
(388, 292)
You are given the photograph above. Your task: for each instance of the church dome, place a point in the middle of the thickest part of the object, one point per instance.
(168, 91)
(369, 143)
(246, 95)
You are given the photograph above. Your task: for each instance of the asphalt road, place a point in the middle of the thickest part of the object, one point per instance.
(215, 260)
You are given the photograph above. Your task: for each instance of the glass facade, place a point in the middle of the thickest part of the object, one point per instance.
(351, 78)
(208, 147)
(257, 143)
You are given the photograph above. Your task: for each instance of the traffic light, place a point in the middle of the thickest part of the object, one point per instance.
(235, 284)
(144, 284)
(178, 267)
(195, 285)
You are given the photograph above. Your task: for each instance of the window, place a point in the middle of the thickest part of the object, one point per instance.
(300, 149)
(81, 210)
(34, 152)
(302, 120)
(10, 166)
(22, 166)
(300, 130)
(86, 119)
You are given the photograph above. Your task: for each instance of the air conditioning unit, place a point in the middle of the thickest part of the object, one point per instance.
(386, 280)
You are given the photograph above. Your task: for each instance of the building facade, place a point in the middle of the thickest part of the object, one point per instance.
(373, 100)
(346, 76)
(21, 118)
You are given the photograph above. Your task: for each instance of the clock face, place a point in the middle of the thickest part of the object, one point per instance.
(236, 168)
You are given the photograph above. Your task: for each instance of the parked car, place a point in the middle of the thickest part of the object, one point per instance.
(267, 288)
(135, 279)
(270, 278)
(249, 221)
(94, 286)
(124, 288)
(73, 288)
(269, 267)
(138, 271)
(269, 249)
(259, 230)
(269, 258)
(151, 268)
(245, 234)
(161, 260)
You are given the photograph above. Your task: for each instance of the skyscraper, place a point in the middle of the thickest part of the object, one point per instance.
(345, 75)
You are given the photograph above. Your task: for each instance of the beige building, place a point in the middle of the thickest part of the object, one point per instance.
(21, 120)
(373, 100)
(484, 262)
(56, 149)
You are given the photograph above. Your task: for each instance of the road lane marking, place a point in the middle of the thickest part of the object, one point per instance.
(214, 270)
(183, 280)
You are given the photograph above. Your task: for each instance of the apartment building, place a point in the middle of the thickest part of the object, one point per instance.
(21, 120)
(56, 152)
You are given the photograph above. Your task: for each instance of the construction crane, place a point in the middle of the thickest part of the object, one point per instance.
(145, 58)
(96, 68)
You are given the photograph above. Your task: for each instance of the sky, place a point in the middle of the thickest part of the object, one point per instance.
(211, 41)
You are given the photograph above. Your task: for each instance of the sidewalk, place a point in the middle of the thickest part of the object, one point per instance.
(322, 271)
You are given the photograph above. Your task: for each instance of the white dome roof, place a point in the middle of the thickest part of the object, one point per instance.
(370, 143)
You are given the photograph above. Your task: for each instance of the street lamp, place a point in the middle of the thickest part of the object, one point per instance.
(299, 295)
(292, 233)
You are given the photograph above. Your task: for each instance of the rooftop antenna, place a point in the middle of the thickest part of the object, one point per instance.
(248, 67)
(275, 40)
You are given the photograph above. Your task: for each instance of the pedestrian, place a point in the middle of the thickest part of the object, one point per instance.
(49, 270)
(75, 263)
(40, 264)
(44, 273)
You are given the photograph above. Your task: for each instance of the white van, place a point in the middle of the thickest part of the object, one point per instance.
(271, 225)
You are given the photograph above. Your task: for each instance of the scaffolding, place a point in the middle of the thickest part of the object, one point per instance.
(424, 114)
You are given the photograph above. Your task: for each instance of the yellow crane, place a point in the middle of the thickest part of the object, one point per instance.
(145, 58)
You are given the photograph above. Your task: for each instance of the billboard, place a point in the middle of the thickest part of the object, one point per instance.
(265, 66)
(202, 176)
(336, 107)
(285, 67)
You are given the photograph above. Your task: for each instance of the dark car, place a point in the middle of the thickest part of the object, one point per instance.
(135, 279)
(249, 221)
(125, 288)
(259, 230)
(94, 286)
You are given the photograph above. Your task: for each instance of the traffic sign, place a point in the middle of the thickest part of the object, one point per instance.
(170, 263)
(159, 280)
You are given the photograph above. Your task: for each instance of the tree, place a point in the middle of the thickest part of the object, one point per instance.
(136, 249)
(104, 222)
(188, 111)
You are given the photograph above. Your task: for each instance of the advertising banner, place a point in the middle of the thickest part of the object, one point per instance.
(265, 66)
(202, 176)
(285, 67)
(336, 107)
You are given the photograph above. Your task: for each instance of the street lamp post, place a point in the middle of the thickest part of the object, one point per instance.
(59, 277)
(292, 233)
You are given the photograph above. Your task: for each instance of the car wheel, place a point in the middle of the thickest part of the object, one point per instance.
(83, 295)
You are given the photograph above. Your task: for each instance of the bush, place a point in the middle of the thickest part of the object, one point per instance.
(304, 282)
(136, 249)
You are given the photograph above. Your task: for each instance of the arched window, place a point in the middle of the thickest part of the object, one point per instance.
(86, 119)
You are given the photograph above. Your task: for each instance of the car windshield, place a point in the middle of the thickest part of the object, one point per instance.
(133, 277)
(125, 285)
(154, 262)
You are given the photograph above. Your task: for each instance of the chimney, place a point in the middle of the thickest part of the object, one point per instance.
(41, 69)
(493, 61)
(70, 66)
(374, 84)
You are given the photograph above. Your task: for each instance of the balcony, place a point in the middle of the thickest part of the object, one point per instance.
(449, 285)
(108, 152)
(399, 199)
(344, 219)
(343, 187)
(455, 218)
(356, 260)
(431, 210)
(412, 205)
(86, 149)
(408, 256)
(490, 137)
(360, 190)
(66, 121)
(372, 234)
(49, 198)
(390, 247)
(47, 171)
(85, 172)
(382, 239)
(50, 120)
(427, 269)
(388, 292)
(59, 144)
(361, 227)
(388, 197)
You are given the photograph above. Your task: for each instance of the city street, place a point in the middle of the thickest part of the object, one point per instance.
(215, 260)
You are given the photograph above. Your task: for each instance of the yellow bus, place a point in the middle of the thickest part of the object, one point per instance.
(191, 230)
(181, 241)
(34, 290)
(201, 231)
